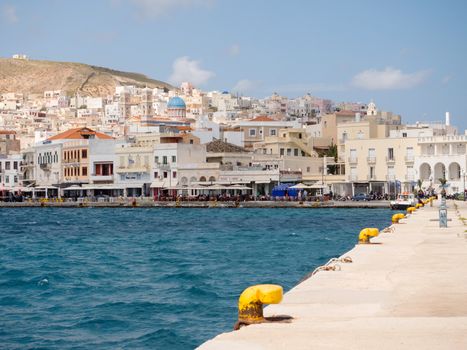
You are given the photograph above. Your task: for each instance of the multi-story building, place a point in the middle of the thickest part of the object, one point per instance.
(133, 168)
(10, 172)
(385, 165)
(180, 165)
(257, 129)
(442, 157)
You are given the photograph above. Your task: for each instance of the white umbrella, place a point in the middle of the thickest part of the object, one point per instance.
(239, 187)
(301, 186)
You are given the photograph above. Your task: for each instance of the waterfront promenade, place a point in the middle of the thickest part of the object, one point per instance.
(146, 203)
(408, 290)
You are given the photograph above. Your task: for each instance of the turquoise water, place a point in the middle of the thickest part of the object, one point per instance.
(153, 278)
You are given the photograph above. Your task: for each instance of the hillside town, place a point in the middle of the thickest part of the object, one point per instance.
(161, 143)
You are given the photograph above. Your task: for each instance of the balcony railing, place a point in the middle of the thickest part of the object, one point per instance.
(390, 177)
(133, 169)
(71, 160)
(409, 159)
(371, 177)
(371, 160)
(163, 166)
(410, 177)
(353, 160)
(390, 160)
(353, 177)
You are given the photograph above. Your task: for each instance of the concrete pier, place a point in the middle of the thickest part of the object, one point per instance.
(406, 291)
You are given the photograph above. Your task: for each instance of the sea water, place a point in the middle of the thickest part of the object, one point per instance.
(151, 278)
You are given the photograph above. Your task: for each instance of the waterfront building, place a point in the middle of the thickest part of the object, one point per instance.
(63, 160)
(383, 165)
(75, 154)
(133, 168)
(10, 172)
(48, 164)
(442, 157)
(28, 176)
(179, 166)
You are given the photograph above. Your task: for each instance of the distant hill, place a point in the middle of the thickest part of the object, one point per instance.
(32, 76)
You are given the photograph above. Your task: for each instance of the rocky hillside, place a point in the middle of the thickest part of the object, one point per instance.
(31, 76)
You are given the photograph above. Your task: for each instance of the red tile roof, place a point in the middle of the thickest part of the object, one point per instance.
(262, 118)
(79, 133)
(7, 132)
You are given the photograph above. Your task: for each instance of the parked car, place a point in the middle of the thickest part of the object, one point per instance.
(361, 197)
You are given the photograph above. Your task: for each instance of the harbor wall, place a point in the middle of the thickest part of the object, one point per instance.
(406, 290)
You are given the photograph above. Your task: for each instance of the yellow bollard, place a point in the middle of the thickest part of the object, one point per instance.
(366, 234)
(250, 303)
(418, 205)
(410, 210)
(397, 217)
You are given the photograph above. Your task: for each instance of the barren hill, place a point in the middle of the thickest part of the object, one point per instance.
(31, 76)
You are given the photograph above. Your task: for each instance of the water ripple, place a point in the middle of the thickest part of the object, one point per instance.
(152, 278)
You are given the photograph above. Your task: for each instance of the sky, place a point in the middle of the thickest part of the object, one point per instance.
(409, 57)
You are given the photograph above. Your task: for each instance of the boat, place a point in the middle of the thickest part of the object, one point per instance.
(403, 201)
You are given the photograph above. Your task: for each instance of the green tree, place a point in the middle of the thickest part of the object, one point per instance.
(332, 152)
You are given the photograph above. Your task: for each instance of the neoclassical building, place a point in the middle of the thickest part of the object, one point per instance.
(442, 157)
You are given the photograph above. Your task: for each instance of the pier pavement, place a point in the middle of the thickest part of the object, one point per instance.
(408, 290)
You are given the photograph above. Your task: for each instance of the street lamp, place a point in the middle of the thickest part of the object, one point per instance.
(463, 175)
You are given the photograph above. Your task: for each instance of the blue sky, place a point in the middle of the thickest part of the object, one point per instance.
(408, 56)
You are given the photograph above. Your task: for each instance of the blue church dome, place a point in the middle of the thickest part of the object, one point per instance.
(176, 102)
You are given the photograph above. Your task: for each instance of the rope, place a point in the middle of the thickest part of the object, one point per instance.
(330, 266)
(389, 229)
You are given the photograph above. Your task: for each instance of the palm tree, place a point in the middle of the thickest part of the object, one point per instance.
(443, 182)
(332, 152)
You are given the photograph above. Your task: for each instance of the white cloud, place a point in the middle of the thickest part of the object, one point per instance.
(8, 13)
(245, 86)
(157, 8)
(185, 69)
(234, 50)
(388, 79)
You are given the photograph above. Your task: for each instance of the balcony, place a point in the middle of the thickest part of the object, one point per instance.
(391, 177)
(371, 160)
(353, 177)
(410, 177)
(95, 177)
(71, 161)
(390, 160)
(409, 159)
(163, 166)
(133, 169)
(353, 160)
(371, 177)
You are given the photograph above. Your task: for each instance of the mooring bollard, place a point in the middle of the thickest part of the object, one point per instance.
(366, 234)
(251, 301)
(443, 213)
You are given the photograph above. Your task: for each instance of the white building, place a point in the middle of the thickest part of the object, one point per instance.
(442, 157)
(181, 165)
(10, 171)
